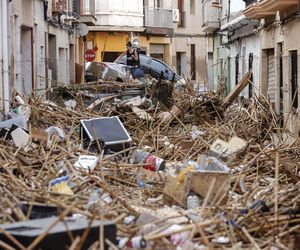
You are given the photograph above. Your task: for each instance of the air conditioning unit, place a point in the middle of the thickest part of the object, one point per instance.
(175, 15)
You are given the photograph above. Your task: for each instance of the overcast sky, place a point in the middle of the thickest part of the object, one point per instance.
(237, 5)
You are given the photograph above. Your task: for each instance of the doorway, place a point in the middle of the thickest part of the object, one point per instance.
(27, 80)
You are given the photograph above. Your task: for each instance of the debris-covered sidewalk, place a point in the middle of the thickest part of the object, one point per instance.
(174, 169)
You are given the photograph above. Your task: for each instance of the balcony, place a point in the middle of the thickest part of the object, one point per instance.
(158, 21)
(120, 15)
(69, 7)
(248, 2)
(87, 14)
(59, 6)
(210, 16)
(267, 8)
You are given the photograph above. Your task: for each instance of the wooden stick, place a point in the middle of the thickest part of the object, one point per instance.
(276, 186)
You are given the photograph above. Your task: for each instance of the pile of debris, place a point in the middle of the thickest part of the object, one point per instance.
(128, 167)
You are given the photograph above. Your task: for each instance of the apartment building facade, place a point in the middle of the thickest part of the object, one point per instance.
(40, 44)
(279, 60)
(169, 30)
(190, 46)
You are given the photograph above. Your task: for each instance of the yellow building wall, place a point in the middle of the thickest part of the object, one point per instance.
(116, 42)
(108, 42)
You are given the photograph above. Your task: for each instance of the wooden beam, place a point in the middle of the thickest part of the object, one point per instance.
(237, 90)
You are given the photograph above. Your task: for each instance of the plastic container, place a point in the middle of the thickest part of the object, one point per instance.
(215, 165)
(94, 198)
(137, 242)
(149, 161)
(139, 181)
(192, 201)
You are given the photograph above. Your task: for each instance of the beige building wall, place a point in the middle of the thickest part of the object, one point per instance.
(187, 36)
(29, 48)
(270, 39)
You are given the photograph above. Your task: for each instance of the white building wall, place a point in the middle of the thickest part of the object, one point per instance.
(39, 46)
(119, 12)
(1, 58)
(244, 48)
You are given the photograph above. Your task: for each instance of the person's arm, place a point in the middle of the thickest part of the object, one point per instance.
(135, 55)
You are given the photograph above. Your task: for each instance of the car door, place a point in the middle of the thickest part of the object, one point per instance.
(158, 68)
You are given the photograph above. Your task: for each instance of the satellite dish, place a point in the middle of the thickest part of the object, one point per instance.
(81, 29)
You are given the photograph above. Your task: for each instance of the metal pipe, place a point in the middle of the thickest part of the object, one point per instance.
(5, 55)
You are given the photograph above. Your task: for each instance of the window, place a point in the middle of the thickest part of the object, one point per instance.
(250, 63)
(193, 62)
(192, 7)
(294, 76)
(178, 62)
(237, 66)
(181, 13)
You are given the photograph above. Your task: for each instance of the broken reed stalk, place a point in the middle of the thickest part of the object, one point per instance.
(185, 228)
(276, 186)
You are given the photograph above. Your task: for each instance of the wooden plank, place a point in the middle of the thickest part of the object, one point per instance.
(237, 90)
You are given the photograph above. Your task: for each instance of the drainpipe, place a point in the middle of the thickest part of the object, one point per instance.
(5, 56)
(229, 11)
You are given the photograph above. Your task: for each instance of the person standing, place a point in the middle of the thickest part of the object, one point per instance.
(132, 61)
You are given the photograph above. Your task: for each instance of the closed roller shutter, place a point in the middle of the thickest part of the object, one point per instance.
(157, 49)
(271, 76)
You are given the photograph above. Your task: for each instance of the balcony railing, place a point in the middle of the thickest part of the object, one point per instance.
(210, 16)
(155, 17)
(70, 7)
(88, 7)
(266, 8)
(59, 6)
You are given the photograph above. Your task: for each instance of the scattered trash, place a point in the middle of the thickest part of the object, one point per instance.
(193, 201)
(137, 242)
(196, 132)
(232, 191)
(20, 121)
(177, 239)
(54, 131)
(70, 104)
(221, 240)
(86, 162)
(149, 161)
(129, 219)
(61, 185)
(20, 137)
(108, 132)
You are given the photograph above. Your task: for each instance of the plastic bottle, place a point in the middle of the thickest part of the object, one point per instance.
(149, 161)
(192, 202)
(94, 198)
(139, 180)
(137, 242)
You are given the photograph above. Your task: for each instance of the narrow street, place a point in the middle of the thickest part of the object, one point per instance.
(155, 124)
